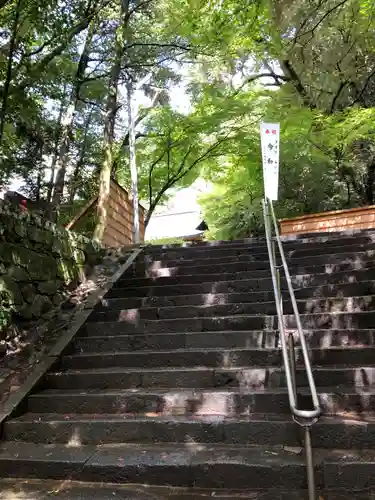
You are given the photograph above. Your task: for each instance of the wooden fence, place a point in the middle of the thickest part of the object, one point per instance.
(119, 228)
(339, 220)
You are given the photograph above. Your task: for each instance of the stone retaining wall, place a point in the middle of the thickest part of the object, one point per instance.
(38, 261)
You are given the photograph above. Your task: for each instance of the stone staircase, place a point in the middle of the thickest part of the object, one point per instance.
(176, 380)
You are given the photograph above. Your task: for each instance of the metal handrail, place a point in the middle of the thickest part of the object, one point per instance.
(305, 418)
(305, 414)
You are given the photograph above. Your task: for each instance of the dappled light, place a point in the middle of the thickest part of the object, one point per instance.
(215, 299)
(130, 316)
(75, 439)
(192, 446)
(21, 495)
(364, 377)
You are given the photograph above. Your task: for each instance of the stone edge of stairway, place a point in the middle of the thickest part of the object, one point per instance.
(83, 311)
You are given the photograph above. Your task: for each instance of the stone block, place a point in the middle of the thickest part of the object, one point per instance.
(29, 293)
(41, 267)
(40, 305)
(49, 287)
(10, 290)
(18, 274)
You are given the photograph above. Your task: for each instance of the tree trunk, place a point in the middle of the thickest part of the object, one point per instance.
(67, 122)
(153, 205)
(56, 146)
(133, 164)
(8, 78)
(125, 141)
(109, 130)
(80, 163)
(369, 187)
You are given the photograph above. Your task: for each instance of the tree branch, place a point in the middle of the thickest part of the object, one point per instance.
(8, 78)
(296, 81)
(359, 96)
(40, 66)
(155, 44)
(327, 14)
(3, 3)
(337, 95)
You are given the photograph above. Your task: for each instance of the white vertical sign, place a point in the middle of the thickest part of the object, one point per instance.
(270, 140)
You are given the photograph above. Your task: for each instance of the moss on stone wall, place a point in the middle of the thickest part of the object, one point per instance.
(38, 261)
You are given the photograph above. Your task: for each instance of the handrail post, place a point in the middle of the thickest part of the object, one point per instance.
(309, 463)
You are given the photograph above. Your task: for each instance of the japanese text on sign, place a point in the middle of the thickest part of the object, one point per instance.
(270, 139)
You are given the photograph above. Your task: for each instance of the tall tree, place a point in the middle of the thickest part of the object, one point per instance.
(110, 118)
(68, 117)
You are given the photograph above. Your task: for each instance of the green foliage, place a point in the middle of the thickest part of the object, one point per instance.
(166, 241)
(307, 64)
(326, 163)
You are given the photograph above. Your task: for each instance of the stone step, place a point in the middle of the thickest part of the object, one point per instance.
(315, 256)
(171, 276)
(202, 252)
(108, 304)
(208, 267)
(135, 282)
(220, 340)
(208, 244)
(312, 305)
(74, 490)
(134, 326)
(235, 248)
(350, 402)
(204, 377)
(239, 282)
(30, 489)
(241, 291)
(323, 236)
(256, 429)
(332, 295)
(159, 313)
(131, 324)
(217, 358)
(213, 466)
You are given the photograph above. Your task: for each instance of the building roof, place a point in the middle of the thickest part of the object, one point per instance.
(173, 225)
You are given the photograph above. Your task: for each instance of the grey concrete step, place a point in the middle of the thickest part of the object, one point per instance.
(204, 377)
(347, 401)
(217, 358)
(196, 466)
(220, 340)
(256, 429)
